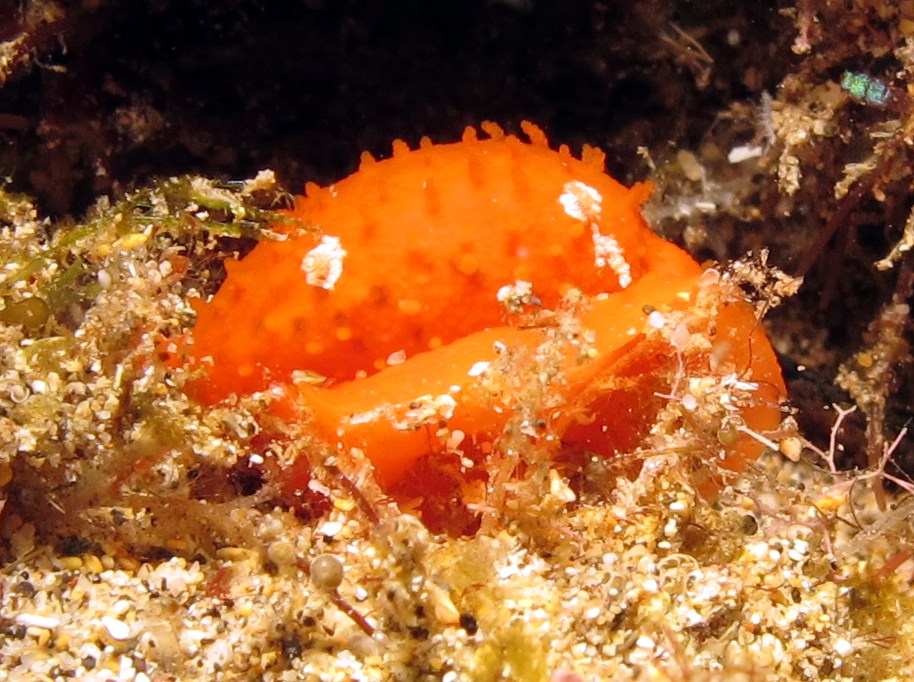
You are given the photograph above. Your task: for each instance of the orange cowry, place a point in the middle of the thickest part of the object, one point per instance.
(430, 271)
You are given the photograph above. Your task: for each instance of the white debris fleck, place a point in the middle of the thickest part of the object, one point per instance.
(518, 289)
(304, 376)
(445, 405)
(478, 368)
(644, 642)
(680, 338)
(582, 202)
(733, 381)
(264, 180)
(744, 153)
(330, 528)
(323, 264)
(426, 409)
(709, 277)
(316, 486)
(690, 165)
(843, 647)
(515, 296)
(455, 438)
(656, 319)
(117, 629)
(559, 488)
(363, 417)
(396, 358)
(509, 571)
(34, 620)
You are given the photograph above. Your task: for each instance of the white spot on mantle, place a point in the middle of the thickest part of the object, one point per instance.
(323, 264)
(478, 368)
(608, 251)
(585, 203)
(582, 202)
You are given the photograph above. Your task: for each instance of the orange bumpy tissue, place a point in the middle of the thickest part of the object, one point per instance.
(431, 270)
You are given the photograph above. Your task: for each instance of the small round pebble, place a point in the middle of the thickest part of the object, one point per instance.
(326, 572)
(281, 553)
